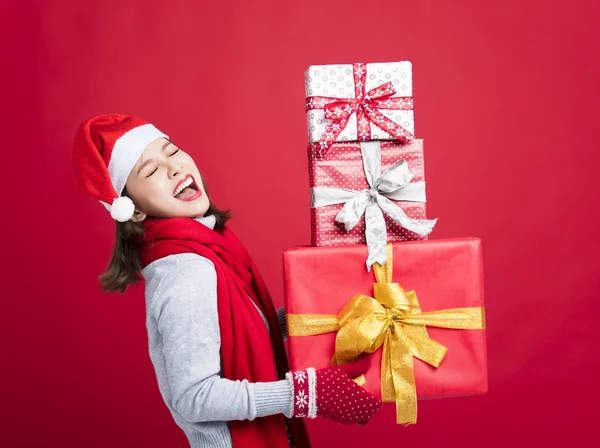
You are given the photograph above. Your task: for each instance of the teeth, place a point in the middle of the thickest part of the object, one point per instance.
(186, 183)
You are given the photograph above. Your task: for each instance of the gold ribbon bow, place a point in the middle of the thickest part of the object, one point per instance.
(392, 319)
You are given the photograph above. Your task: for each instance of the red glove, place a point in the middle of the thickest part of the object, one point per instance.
(331, 393)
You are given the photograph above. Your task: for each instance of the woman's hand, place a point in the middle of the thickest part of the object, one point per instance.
(331, 393)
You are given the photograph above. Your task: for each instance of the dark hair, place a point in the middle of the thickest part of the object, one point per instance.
(125, 265)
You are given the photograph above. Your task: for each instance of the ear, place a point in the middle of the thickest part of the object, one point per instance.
(138, 216)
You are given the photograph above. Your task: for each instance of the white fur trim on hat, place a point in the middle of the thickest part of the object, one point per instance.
(126, 152)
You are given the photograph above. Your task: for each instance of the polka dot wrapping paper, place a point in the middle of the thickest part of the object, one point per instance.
(326, 83)
(342, 167)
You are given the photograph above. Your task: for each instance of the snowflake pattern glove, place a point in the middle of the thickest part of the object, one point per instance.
(331, 393)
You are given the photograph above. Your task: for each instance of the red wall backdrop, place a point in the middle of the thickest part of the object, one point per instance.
(506, 97)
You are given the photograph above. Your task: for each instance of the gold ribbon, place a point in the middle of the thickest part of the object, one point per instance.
(392, 319)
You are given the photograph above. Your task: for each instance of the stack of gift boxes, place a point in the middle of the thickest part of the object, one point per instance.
(372, 284)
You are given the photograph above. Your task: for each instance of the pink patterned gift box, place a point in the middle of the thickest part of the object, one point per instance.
(358, 102)
(342, 167)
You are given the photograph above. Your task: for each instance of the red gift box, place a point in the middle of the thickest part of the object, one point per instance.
(342, 167)
(445, 274)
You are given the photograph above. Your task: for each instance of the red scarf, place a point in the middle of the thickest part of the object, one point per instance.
(248, 351)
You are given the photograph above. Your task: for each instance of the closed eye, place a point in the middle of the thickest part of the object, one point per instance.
(171, 155)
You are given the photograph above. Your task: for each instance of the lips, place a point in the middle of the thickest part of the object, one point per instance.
(193, 184)
(190, 191)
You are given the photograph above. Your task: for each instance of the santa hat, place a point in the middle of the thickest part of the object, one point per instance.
(106, 149)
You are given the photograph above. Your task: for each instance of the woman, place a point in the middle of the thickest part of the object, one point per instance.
(213, 333)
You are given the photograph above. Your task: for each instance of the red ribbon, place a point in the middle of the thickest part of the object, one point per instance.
(366, 106)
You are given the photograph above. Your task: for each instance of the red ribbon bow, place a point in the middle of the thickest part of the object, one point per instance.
(366, 106)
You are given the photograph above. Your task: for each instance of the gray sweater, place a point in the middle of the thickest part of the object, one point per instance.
(184, 345)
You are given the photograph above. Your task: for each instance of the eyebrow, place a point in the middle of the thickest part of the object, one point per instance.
(150, 160)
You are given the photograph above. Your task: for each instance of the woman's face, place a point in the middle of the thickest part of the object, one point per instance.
(165, 183)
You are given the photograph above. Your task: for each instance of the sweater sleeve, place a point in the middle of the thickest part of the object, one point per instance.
(188, 323)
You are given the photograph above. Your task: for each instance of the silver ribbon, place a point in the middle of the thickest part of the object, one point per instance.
(394, 183)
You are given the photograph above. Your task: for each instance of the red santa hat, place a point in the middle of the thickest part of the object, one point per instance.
(106, 149)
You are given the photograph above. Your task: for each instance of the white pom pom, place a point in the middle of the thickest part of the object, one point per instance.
(122, 209)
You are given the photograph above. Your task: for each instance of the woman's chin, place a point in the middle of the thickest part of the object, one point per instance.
(184, 209)
(195, 209)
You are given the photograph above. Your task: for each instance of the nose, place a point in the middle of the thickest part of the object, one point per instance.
(174, 168)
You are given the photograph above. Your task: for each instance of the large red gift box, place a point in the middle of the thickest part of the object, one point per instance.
(342, 167)
(445, 274)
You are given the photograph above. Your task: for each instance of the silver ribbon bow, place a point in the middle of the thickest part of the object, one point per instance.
(393, 183)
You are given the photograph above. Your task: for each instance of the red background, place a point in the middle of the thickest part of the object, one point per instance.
(506, 97)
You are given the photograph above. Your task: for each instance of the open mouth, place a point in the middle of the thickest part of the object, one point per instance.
(187, 189)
